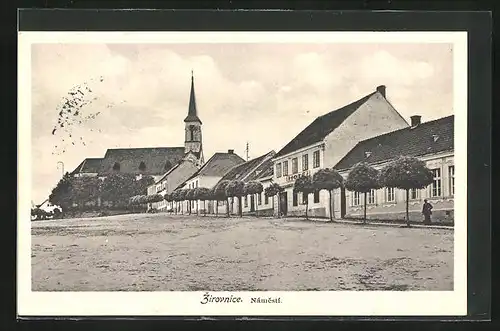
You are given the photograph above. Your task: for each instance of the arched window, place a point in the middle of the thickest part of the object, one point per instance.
(142, 166)
(191, 132)
(116, 166)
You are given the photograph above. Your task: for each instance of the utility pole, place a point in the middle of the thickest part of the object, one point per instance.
(62, 167)
(246, 150)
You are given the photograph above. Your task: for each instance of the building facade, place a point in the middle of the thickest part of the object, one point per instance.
(208, 176)
(245, 172)
(325, 142)
(431, 142)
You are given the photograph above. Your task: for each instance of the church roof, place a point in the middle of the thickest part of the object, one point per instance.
(244, 170)
(156, 160)
(192, 111)
(89, 165)
(322, 126)
(426, 138)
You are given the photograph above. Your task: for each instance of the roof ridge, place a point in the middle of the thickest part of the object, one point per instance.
(259, 164)
(407, 128)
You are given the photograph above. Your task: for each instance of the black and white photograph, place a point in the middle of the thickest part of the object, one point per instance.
(243, 173)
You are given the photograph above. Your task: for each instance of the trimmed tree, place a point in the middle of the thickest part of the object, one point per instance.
(254, 188)
(181, 196)
(141, 185)
(117, 188)
(274, 190)
(175, 198)
(328, 179)
(204, 194)
(213, 198)
(406, 173)
(61, 195)
(304, 184)
(221, 195)
(362, 179)
(236, 189)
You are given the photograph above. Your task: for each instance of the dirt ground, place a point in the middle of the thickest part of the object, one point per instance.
(162, 252)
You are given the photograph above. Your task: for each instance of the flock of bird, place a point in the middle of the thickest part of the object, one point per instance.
(73, 111)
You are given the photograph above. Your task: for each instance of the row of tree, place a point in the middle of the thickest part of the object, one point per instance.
(116, 189)
(405, 173)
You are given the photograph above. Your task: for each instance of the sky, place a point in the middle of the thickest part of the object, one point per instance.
(263, 94)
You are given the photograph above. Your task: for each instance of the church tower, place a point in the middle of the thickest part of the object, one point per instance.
(193, 138)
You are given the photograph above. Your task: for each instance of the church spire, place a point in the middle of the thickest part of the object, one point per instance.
(192, 111)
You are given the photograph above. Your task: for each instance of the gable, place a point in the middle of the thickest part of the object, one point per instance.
(375, 117)
(321, 127)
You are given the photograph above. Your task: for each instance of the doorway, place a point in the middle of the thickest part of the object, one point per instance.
(342, 202)
(284, 203)
(252, 203)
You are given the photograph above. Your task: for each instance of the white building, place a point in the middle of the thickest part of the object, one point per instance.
(209, 175)
(325, 142)
(431, 142)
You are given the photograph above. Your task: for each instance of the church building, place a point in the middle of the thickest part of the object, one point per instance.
(153, 161)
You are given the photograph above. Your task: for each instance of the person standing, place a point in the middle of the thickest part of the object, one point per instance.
(427, 212)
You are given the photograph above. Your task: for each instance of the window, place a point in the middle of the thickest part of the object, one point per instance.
(305, 198)
(355, 198)
(142, 166)
(316, 159)
(436, 184)
(451, 175)
(295, 165)
(414, 194)
(246, 200)
(305, 162)
(266, 199)
(116, 166)
(278, 170)
(285, 168)
(259, 198)
(389, 194)
(316, 196)
(196, 183)
(295, 199)
(370, 197)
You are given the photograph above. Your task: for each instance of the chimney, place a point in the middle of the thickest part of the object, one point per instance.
(230, 151)
(415, 120)
(381, 89)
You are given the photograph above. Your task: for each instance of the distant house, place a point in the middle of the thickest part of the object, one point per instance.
(171, 180)
(324, 142)
(260, 203)
(431, 142)
(244, 172)
(48, 207)
(210, 174)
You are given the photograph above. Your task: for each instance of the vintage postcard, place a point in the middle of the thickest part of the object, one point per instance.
(242, 173)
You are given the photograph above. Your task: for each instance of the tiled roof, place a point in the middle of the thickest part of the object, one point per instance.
(218, 165)
(89, 165)
(157, 160)
(262, 171)
(243, 170)
(322, 126)
(426, 138)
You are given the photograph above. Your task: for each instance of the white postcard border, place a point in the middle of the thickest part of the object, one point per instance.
(353, 303)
